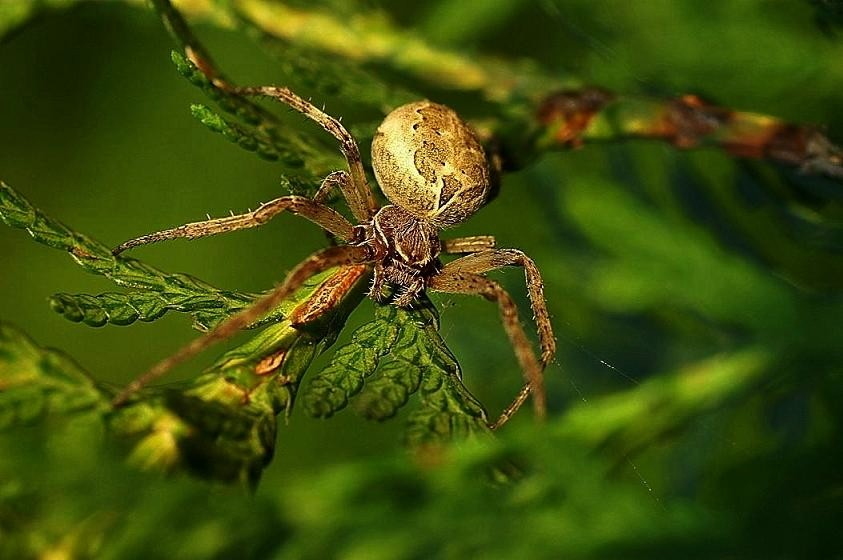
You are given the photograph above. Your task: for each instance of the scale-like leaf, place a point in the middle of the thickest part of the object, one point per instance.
(223, 424)
(336, 78)
(304, 161)
(36, 382)
(248, 140)
(156, 291)
(330, 390)
(400, 352)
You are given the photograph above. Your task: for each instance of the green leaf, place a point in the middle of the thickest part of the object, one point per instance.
(401, 352)
(247, 140)
(337, 78)
(222, 424)
(329, 391)
(304, 161)
(156, 291)
(448, 410)
(375, 39)
(37, 382)
(125, 309)
(690, 272)
(631, 420)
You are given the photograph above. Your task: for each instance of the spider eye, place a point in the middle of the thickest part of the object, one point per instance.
(429, 162)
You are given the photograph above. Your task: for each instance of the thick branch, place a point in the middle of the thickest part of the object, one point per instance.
(573, 117)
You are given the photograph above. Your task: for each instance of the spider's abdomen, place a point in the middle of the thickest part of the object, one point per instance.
(430, 163)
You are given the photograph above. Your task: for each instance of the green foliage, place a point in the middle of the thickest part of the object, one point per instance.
(628, 282)
(125, 309)
(159, 291)
(337, 78)
(402, 352)
(238, 135)
(35, 382)
(15, 14)
(304, 162)
(222, 425)
(711, 289)
(386, 508)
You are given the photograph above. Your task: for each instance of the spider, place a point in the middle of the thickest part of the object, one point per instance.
(432, 168)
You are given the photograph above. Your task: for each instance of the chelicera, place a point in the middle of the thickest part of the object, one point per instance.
(432, 168)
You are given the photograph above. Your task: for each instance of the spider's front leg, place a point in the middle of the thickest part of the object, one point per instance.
(313, 265)
(465, 275)
(325, 217)
(356, 189)
(336, 180)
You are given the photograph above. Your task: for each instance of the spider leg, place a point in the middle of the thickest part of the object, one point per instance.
(357, 192)
(378, 284)
(487, 260)
(513, 407)
(471, 244)
(464, 275)
(337, 179)
(314, 264)
(325, 217)
(455, 281)
(409, 294)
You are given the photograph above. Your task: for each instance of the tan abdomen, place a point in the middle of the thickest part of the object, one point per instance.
(429, 162)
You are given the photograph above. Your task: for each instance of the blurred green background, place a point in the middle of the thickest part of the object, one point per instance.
(656, 263)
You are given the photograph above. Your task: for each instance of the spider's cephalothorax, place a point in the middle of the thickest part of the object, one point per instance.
(433, 170)
(405, 253)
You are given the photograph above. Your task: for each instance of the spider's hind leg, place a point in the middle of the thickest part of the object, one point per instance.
(472, 244)
(465, 276)
(493, 259)
(475, 284)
